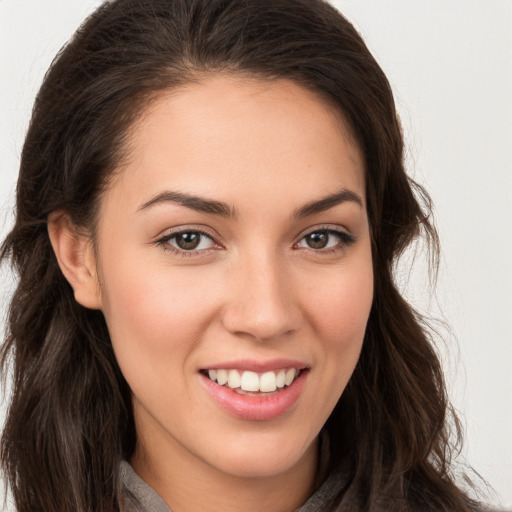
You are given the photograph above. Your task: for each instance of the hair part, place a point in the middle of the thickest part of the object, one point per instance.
(70, 421)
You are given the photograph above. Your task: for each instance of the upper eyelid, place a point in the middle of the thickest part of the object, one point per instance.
(170, 236)
(204, 230)
(335, 228)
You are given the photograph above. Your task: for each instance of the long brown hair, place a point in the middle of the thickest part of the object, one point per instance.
(70, 421)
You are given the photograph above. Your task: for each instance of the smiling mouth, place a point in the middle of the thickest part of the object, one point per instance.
(253, 383)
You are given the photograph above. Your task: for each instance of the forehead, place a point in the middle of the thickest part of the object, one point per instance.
(228, 135)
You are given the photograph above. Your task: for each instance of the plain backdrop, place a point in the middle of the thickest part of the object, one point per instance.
(450, 65)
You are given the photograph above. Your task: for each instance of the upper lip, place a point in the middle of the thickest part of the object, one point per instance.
(258, 366)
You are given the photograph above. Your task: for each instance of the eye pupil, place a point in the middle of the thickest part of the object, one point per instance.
(188, 241)
(317, 240)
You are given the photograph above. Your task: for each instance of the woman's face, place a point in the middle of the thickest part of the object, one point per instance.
(235, 245)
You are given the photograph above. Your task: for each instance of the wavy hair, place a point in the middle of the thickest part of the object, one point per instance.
(70, 420)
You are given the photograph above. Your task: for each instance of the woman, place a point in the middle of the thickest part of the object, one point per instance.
(210, 204)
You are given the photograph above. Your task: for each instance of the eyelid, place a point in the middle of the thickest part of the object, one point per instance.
(346, 237)
(166, 235)
(326, 227)
(186, 228)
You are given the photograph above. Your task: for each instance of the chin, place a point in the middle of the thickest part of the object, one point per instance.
(264, 457)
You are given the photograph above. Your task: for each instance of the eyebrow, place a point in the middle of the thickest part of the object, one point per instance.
(328, 202)
(199, 204)
(211, 206)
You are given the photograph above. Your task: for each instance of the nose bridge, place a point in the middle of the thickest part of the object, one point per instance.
(263, 304)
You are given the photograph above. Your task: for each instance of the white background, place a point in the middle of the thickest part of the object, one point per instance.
(450, 65)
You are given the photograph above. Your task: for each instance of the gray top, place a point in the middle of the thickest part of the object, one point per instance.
(138, 496)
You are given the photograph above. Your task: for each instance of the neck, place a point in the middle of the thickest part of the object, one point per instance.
(187, 484)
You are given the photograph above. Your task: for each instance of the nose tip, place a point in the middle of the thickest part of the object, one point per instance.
(263, 307)
(252, 322)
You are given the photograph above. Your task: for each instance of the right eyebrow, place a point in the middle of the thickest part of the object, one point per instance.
(196, 203)
(328, 202)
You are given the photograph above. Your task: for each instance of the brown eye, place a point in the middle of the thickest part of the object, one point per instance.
(188, 241)
(325, 239)
(317, 240)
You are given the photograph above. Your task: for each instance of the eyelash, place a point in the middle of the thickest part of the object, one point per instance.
(164, 242)
(345, 239)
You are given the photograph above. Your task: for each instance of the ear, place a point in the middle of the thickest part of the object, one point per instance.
(75, 255)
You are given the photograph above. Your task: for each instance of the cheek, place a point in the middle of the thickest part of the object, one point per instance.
(341, 307)
(150, 299)
(150, 312)
(338, 314)
(155, 320)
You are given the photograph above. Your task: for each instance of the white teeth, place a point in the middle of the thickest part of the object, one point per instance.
(268, 382)
(280, 378)
(253, 382)
(233, 379)
(222, 377)
(290, 376)
(249, 381)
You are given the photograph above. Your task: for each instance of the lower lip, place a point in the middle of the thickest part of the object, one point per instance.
(256, 408)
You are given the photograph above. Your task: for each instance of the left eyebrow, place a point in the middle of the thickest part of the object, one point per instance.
(325, 203)
(197, 203)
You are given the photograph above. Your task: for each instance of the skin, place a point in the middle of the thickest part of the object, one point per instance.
(254, 290)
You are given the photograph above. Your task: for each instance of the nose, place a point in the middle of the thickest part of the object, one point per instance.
(264, 302)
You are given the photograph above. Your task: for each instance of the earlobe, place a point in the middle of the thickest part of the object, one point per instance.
(75, 255)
